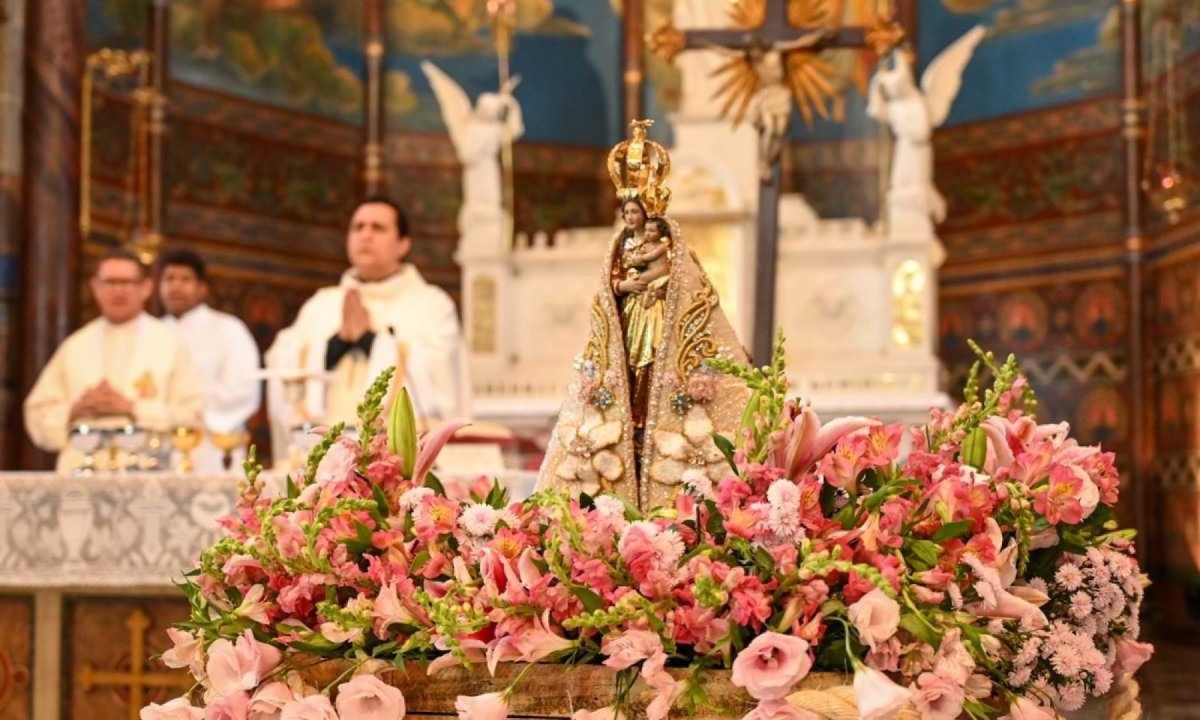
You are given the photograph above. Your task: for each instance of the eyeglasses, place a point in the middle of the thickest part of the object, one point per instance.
(119, 282)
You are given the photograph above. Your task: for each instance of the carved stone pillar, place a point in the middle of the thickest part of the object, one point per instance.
(49, 267)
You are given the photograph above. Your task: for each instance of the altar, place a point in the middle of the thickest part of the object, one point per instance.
(88, 572)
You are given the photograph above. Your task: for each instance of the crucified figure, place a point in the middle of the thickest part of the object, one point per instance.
(759, 82)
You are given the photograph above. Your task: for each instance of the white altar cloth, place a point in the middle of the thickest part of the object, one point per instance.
(121, 531)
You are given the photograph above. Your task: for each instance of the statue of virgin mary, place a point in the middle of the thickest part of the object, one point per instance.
(643, 405)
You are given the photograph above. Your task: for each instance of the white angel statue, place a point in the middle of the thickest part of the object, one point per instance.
(913, 113)
(478, 134)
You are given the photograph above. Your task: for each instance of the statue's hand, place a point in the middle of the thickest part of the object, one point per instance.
(631, 286)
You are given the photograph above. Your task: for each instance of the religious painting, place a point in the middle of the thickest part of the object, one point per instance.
(459, 38)
(116, 24)
(1023, 321)
(1100, 314)
(1102, 416)
(303, 55)
(1037, 53)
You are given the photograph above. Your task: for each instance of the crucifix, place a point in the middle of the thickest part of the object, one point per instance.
(773, 57)
(137, 681)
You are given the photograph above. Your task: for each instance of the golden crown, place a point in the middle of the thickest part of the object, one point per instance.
(638, 167)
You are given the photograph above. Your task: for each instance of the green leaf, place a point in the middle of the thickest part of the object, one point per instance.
(951, 530)
(716, 523)
(292, 491)
(361, 542)
(419, 561)
(318, 646)
(591, 601)
(829, 496)
(847, 516)
(923, 554)
(432, 482)
(381, 500)
(726, 447)
(496, 496)
(917, 627)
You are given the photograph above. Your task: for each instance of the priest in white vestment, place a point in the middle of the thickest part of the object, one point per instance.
(222, 349)
(124, 366)
(382, 313)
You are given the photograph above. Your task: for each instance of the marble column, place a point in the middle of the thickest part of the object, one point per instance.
(12, 47)
(49, 268)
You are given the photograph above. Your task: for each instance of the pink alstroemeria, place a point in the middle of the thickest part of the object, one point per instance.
(666, 688)
(530, 643)
(241, 665)
(631, 646)
(188, 652)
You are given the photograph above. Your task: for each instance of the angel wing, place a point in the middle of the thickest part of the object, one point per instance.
(455, 105)
(943, 77)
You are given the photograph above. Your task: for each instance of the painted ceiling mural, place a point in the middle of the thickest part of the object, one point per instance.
(307, 55)
(567, 53)
(1037, 52)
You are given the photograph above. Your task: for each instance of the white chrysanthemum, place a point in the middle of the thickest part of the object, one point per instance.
(1069, 576)
(698, 483)
(411, 498)
(479, 520)
(1081, 605)
(1072, 696)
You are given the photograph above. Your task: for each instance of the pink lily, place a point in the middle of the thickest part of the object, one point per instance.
(430, 446)
(804, 440)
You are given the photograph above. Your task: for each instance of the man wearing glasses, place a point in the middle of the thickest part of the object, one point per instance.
(123, 367)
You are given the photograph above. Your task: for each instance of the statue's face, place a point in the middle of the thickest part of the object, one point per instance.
(490, 106)
(633, 215)
(653, 232)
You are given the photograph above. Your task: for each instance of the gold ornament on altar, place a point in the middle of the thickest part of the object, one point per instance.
(638, 166)
(227, 442)
(185, 439)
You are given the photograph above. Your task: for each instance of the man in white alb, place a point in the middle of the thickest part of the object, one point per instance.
(222, 349)
(382, 313)
(123, 366)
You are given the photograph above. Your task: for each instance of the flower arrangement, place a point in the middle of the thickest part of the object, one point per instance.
(976, 572)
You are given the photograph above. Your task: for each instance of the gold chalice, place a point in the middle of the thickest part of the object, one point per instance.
(227, 442)
(185, 438)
